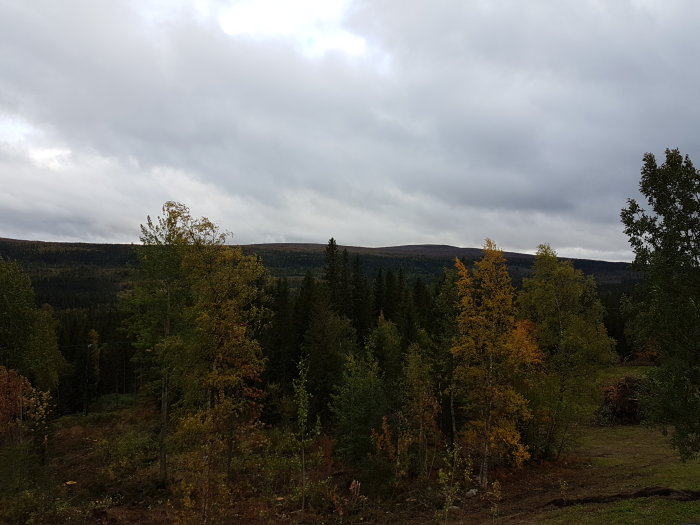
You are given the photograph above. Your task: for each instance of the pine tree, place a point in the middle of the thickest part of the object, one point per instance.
(379, 294)
(361, 302)
(332, 274)
(303, 305)
(329, 339)
(280, 343)
(358, 405)
(442, 330)
(344, 286)
(385, 345)
(28, 339)
(392, 297)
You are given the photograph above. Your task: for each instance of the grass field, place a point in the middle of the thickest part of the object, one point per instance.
(619, 461)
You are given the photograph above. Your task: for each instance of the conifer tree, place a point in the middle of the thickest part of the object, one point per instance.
(379, 294)
(344, 289)
(303, 306)
(442, 329)
(280, 342)
(392, 296)
(332, 274)
(385, 345)
(358, 405)
(328, 341)
(28, 339)
(361, 302)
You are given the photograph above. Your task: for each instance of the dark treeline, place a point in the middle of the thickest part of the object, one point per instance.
(83, 282)
(343, 312)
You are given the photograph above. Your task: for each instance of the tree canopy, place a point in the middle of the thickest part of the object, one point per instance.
(665, 237)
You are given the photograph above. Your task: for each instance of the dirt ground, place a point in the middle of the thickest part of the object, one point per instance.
(611, 463)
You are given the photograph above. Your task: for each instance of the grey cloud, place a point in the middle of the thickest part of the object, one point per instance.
(521, 121)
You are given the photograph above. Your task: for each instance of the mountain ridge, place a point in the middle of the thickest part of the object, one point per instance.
(427, 250)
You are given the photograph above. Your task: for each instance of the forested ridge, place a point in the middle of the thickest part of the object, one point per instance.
(194, 381)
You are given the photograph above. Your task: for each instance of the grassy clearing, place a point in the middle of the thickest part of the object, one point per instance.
(638, 457)
(623, 460)
(639, 511)
(613, 373)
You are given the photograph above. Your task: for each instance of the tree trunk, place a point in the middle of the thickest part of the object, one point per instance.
(162, 453)
(452, 413)
(229, 455)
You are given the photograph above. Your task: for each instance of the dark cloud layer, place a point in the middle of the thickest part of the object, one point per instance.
(522, 121)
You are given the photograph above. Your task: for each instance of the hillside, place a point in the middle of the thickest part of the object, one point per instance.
(69, 275)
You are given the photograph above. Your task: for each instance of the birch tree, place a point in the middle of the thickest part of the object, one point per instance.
(494, 352)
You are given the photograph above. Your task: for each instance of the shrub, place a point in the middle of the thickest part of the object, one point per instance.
(621, 403)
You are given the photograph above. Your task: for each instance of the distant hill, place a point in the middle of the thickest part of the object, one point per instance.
(420, 260)
(68, 275)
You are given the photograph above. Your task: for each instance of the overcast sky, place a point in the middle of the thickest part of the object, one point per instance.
(377, 122)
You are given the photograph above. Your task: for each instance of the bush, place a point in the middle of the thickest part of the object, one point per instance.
(128, 452)
(621, 403)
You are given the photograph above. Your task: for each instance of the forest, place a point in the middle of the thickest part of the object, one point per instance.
(185, 380)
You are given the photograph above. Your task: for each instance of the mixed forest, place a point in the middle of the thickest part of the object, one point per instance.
(185, 380)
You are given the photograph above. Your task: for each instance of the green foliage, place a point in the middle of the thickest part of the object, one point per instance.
(195, 314)
(666, 241)
(568, 322)
(384, 343)
(327, 342)
(442, 331)
(305, 434)
(28, 341)
(454, 478)
(127, 452)
(639, 510)
(358, 406)
(420, 409)
(361, 297)
(332, 274)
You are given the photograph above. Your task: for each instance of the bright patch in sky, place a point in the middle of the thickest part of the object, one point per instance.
(316, 26)
(51, 158)
(13, 130)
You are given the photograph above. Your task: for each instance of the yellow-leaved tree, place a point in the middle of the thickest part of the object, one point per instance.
(495, 353)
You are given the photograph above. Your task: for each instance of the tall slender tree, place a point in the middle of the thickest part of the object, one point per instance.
(28, 339)
(332, 274)
(568, 318)
(329, 339)
(494, 353)
(157, 307)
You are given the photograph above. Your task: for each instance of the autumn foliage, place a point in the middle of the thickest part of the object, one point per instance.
(22, 407)
(495, 352)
